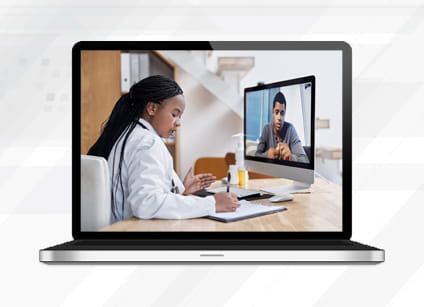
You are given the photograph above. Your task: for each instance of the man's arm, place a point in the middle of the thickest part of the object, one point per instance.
(261, 150)
(297, 151)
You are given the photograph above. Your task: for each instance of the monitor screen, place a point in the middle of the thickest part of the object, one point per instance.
(286, 99)
(279, 122)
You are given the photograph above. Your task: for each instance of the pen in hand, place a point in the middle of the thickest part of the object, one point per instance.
(228, 181)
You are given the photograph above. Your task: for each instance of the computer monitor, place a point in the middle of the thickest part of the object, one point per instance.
(279, 131)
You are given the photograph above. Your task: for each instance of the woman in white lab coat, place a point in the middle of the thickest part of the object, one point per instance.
(144, 183)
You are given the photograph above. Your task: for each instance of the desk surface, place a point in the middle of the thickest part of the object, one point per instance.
(320, 210)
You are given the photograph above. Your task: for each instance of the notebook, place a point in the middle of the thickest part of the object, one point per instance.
(246, 210)
(278, 94)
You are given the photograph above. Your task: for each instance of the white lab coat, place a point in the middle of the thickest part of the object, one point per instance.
(147, 174)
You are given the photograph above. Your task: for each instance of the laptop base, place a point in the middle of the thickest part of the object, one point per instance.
(130, 251)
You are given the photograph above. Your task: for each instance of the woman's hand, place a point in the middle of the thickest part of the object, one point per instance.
(193, 183)
(226, 202)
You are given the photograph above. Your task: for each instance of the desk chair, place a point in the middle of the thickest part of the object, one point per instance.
(214, 165)
(95, 193)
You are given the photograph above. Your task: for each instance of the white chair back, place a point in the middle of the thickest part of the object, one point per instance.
(95, 193)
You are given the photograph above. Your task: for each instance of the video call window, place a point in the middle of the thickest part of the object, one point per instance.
(279, 118)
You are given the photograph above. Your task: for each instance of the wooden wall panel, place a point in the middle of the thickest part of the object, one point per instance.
(100, 89)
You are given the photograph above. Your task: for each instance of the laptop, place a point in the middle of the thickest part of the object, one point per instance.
(291, 100)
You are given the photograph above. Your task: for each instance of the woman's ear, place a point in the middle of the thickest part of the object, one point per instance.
(151, 108)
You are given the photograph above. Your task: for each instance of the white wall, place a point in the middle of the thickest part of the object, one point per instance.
(207, 124)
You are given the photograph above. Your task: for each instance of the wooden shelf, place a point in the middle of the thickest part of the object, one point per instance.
(329, 153)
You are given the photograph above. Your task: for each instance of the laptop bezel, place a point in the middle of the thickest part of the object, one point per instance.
(213, 237)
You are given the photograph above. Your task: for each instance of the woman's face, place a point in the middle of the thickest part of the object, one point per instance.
(166, 116)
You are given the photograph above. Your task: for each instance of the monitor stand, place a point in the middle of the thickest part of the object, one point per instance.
(295, 187)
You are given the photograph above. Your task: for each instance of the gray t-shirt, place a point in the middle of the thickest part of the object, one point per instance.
(287, 134)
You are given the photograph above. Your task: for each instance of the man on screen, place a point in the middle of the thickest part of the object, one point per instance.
(279, 139)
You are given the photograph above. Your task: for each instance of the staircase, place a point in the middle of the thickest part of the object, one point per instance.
(225, 84)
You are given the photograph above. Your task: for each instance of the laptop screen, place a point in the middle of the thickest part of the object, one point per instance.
(218, 140)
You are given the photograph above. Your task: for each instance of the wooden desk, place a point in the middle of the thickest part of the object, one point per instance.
(320, 210)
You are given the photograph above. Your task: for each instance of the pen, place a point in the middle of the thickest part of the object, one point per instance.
(228, 181)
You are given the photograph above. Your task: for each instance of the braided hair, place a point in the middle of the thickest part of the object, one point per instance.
(124, 117)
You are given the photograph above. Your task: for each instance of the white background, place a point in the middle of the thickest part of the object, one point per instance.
(35, 151)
